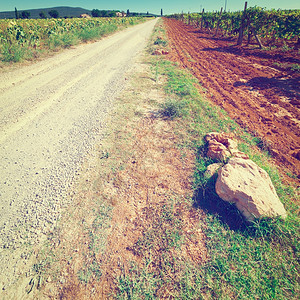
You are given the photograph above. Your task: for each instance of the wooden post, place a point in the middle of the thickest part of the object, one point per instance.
(258, 41)
(202, 18)
(240, 39)
(218, 24)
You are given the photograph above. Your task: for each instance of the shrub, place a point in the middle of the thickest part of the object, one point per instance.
(160, 42)
(172, 109)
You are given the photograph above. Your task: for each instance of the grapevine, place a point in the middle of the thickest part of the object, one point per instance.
(274, 26)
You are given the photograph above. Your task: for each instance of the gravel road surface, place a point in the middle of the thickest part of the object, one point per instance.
(52, 114)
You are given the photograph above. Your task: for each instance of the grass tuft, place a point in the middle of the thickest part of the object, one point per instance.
(160, 41)
(13, 52)
(172, 109)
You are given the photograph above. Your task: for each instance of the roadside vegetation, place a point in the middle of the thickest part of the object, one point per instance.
(243, 262)
(147, 224)
(29, 39)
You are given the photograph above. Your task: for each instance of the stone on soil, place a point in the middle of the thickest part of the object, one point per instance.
(250, 188)
(160, 52)
(221, 146)
(212, 170)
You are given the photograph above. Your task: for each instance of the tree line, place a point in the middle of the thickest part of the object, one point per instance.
(26, 14)
(96, 13)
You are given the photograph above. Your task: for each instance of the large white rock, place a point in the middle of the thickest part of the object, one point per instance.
(247, 185)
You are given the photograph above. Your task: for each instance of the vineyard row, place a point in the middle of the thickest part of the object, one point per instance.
(276, 27)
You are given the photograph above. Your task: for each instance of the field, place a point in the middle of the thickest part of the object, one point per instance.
(143, 221)
(252, 85)
(27, 39)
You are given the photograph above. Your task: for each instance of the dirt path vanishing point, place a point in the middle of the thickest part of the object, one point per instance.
(245, 83)
(52, 113)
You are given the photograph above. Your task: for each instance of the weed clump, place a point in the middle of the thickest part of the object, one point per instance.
(172, 109)
(161, 42)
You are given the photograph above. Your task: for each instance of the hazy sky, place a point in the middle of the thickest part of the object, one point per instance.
(153, 6)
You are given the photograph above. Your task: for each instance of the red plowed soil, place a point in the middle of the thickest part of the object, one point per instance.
(244, 82)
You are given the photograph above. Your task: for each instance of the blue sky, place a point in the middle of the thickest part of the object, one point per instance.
(154, 6)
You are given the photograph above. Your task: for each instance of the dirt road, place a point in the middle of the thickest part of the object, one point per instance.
(247, 84)
(52, 113)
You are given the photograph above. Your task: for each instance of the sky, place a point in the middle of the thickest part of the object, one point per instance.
(153, 6)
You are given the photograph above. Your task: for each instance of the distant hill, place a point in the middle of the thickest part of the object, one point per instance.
(64, 11)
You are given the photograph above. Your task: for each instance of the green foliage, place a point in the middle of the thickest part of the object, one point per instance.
(19, 39)
(159, 41)
(159, 246)
(103, 13)
(295, 67)
(42, 15)
(93, 270)
(39, 269)
(53, 13)
(98, 236)
(259, 261)
(270, 24)
(25, 14)
(12, 53)
(139, 284)
(172, 109)
(95, 13)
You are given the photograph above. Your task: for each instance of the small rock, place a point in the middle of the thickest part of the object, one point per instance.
(296, 153)
(157, 52)
(212, 170)
(217, 151)
(250, 188)
(239, 154)
(221, 146)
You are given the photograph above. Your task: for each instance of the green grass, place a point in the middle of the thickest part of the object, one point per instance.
(98, 233)
(257, 261)
(288, 66)
(88, 34)
(68, 39)
(14, 53)
(172, 109)
(295, 67)
(160, 247)
(160, 41)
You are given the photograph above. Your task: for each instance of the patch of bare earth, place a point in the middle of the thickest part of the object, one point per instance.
(126, 185)
(245, 83)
